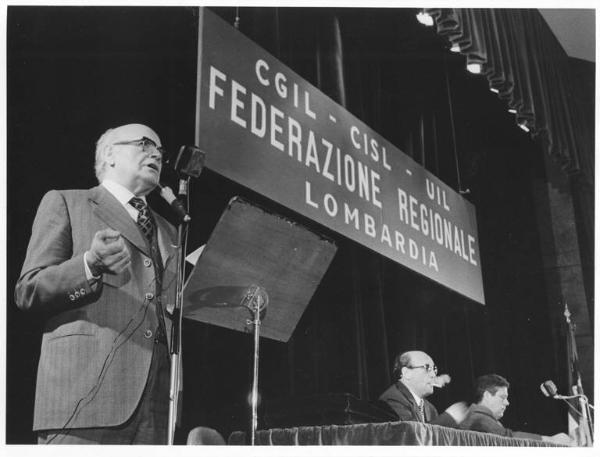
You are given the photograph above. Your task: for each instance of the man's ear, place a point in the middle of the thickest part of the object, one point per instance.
(404, 372)
(109, 155)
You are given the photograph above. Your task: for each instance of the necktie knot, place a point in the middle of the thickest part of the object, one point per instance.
(138, 203)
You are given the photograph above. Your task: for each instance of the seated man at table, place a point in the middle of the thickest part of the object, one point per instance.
(416, 375)
(491, 400)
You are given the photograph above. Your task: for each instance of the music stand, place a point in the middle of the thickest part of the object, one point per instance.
(253, 258)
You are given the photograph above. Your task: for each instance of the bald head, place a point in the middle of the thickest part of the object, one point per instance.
(417, 371)
(130, 155)
(114, 135)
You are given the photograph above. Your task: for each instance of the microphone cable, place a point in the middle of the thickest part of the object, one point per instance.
(105, 365)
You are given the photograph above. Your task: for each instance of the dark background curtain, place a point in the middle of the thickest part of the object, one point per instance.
(74, 72)
(551, 93)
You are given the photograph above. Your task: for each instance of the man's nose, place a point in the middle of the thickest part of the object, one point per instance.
(156, 155)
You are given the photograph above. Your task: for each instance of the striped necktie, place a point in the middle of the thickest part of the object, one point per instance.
(144, 219)
(421, 411)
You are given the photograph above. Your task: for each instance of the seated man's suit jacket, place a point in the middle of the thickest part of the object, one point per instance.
(399, 398)
(480, 419)
(98, 341)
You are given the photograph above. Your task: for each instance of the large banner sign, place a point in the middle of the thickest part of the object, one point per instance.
(268, 129)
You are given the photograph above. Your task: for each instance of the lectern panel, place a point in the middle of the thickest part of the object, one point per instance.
(251, 246)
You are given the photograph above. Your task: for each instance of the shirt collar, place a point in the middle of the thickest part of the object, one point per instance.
(120, 192)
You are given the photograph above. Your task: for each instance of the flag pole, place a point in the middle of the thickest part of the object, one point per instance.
(585, 424)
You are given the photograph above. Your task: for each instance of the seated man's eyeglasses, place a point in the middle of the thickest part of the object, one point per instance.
(146, 145)
(426, 367)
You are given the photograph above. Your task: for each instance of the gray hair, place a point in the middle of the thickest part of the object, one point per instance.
(401, 360)
(103, 143)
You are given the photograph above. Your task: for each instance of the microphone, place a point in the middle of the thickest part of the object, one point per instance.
(190, 161)
(549, 389)
(255, 299)
(176, 205)
(441, 381)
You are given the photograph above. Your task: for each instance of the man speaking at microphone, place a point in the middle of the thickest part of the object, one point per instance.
(100, 269)
(416, 375)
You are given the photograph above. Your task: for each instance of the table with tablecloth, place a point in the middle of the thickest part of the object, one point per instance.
(387, 433)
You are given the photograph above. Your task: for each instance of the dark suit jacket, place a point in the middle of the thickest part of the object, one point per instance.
(399, 398)
(97, 344)
(480, 419)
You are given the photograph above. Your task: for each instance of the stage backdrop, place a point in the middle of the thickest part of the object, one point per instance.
(266, 128)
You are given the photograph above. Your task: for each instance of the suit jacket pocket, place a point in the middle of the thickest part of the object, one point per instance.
(69, 368)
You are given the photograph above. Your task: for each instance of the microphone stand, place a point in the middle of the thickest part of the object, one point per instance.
(584, 405)
(177, 323)
(549, 390)
(577, 389)
(256, 301)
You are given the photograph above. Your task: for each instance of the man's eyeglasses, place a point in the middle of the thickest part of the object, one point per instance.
(429, 368)
(146, 145)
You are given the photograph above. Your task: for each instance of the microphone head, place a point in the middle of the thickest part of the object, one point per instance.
(255, 297)
(190, 161)
(549, 389)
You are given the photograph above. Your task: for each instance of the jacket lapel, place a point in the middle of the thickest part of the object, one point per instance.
(165, 243)
(108, 208)
(408, 397)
